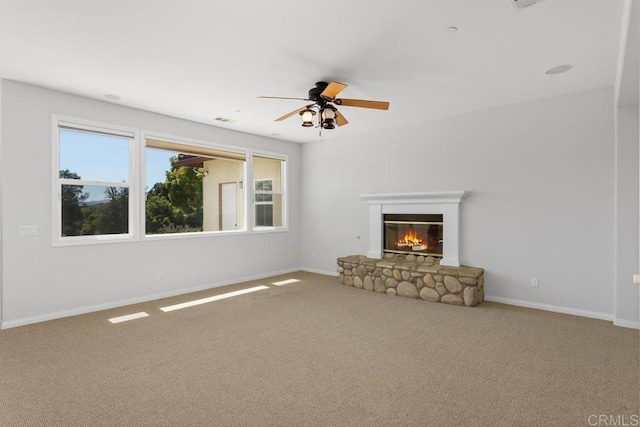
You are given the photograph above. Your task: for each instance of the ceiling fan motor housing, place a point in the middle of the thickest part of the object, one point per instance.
(314, 93)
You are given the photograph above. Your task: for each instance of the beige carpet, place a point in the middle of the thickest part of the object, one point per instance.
(317, 353)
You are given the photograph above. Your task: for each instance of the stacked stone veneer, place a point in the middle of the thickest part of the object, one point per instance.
(413, 276)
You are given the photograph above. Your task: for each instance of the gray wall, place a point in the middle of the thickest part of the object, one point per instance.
(627, 296)
(41, 282)
(541, 204)
(627, 214)
(542, 179)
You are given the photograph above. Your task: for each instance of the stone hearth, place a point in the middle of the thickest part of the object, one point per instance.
(413, 276)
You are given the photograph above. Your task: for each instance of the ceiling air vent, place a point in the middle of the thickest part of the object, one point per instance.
(225, 120)
(521, 4)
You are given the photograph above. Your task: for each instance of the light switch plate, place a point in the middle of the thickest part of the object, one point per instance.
(28, 230)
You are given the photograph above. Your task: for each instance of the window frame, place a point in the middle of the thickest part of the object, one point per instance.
(283, 192)
(132, 134)
(136, 184)
(262, 203)
(196, 143)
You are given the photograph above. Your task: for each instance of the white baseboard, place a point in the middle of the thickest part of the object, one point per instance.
(121, 303)
(550, 307)
(626, 323)
(323, 272)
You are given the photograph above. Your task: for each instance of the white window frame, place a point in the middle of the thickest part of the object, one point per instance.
(196, 143)
(136, 184)
(263, 203)
(132, 134)
(283, 192)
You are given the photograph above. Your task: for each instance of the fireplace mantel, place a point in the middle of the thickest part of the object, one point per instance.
(446, 203)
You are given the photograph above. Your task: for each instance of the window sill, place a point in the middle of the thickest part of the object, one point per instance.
(262, 230)
(213, 234)
(99, 240)
(194, 235)
(93, 240)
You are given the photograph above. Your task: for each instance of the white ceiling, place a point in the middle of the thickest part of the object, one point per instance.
(200, 59)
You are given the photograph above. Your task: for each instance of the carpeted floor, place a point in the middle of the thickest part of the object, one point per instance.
(316, 353)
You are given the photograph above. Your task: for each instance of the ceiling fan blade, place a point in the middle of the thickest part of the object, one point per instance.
(340, 119)
(332, 90)
(378, 105)
(286, 116)
(280, 97)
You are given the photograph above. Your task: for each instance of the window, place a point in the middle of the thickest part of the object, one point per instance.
(112, 185)
(268, 191)
(191, 188)
(263, 194)
(92, 183)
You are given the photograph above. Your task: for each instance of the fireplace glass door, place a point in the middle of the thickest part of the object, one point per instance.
(418, 234)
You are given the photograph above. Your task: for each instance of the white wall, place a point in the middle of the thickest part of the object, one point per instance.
(41, 282)
(1, 184)
(627, 213)
(627, 296)
(541, 204)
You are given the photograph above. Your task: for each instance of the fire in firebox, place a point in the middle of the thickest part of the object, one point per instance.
(411, 240)
(417, 234)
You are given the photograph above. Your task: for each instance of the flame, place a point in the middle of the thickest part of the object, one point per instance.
(411, 238)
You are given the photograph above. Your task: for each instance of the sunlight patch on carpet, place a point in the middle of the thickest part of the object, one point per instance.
(285, 282)
(128, 317)
(211, 299)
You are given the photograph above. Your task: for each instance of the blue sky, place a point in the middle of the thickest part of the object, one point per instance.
(98, 157)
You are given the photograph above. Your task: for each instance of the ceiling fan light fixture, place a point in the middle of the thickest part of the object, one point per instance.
(328, 117)
(307, 117)
(328, 113)
(328, 124)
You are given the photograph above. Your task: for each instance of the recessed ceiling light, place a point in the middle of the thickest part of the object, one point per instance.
(451, 29)
(275, 134)
(559, 69)
(112, 96)
(238, 111)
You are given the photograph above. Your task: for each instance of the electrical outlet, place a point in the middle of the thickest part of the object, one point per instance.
(290, 255)
(160, 275)
(535, 282)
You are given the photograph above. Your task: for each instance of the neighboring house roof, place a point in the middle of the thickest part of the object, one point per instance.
(189, 160)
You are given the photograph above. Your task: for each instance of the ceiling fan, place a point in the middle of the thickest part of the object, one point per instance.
(323, 106)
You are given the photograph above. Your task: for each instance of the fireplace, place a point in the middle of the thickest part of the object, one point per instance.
(446, 204)
(417, 234)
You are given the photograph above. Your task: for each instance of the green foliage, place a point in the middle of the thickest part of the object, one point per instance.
(72, 197)
(114, 214)
(184, 185)
(175, 206)
(82, 219)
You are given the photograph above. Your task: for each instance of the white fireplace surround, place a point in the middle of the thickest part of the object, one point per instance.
(446, 203)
